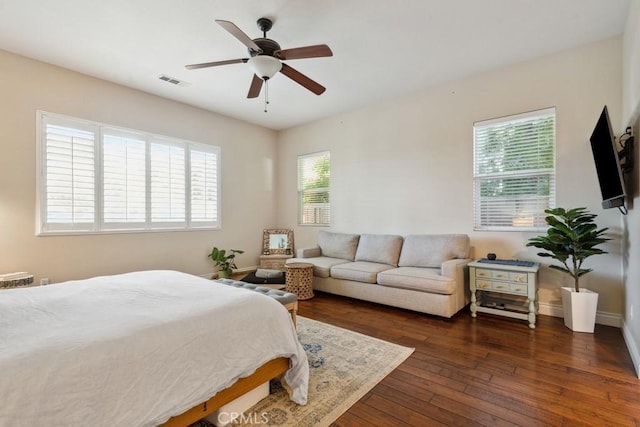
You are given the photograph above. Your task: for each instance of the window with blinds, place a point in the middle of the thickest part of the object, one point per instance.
(69, 158)
(168, 195)
(124, 174)
(97, 178)
(314, 177)
(514, 171)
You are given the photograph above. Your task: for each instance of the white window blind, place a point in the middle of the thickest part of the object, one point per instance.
(96, 178)
(69, 159)
(514, 171)
(168, 192)
(124, 179)
(314, 177)
(204, 186)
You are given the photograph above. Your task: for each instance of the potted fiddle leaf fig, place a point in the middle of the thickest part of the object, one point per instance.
(224, 261)
(571, 238)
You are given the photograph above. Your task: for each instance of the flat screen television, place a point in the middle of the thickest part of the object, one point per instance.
(605, 156)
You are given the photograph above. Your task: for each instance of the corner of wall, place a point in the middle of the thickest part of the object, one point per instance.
(633, 346)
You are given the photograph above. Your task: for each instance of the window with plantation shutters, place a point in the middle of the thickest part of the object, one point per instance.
(69, 199)
(204, 186)
(168, 191)
(314, 177)
(124, 179)
(514, 171)
(96, 178)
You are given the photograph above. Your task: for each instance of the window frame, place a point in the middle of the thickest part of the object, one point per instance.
(478, 178)
(99, 226)
(301, 192)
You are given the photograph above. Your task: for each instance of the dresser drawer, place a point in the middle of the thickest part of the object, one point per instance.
(500, 275)
(483, 284)
(480, 272)
(272, 264)
(518, 277)
(519, 289)
(501, 286)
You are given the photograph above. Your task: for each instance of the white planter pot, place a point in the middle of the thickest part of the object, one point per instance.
(579, 309)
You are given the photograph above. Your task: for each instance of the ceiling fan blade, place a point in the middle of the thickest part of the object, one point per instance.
(239, 34)
(215, 64)
(302, 80)
(315, 51)
(256, 87)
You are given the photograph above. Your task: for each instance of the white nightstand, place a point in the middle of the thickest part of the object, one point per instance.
(504, 289)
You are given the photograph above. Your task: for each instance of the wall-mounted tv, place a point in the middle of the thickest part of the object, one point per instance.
(605, 156)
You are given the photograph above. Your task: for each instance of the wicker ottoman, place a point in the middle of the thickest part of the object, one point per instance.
(299, 279)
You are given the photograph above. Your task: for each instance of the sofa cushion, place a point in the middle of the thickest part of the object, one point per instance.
(381, 248)
(359, 271)
(418, 279)
(338, 245)
(321, 264)
(426, 250)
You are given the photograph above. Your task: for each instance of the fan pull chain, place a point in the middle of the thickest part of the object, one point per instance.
(266, 94)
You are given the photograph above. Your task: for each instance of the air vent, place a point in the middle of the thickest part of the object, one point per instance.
(173, 80)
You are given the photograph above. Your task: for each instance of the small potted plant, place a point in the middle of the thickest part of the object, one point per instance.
(571, 238)
(225, 262)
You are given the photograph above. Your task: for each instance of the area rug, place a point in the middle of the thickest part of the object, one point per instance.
(344, 365)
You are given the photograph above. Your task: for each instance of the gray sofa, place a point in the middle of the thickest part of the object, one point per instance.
(420, 272)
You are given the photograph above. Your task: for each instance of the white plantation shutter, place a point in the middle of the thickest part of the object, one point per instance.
(514, 171)
(204, 185)
(124, 179)
(69, 177)
(314, 176)
(96, 178)
(168, 191)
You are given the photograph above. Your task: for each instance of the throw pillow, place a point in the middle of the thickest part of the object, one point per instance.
(425, 250)
(380, 248)
(338, 245)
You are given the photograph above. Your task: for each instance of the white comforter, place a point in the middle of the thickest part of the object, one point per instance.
(134, 349)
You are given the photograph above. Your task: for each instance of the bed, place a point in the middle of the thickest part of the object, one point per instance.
(137, 349)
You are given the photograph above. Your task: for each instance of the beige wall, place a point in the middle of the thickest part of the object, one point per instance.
(631, 102)
(405, 166)
(631, 65)
(247, 153)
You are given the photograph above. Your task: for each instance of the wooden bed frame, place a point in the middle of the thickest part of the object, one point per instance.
(266, 372)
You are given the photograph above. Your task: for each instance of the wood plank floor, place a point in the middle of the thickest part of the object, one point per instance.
(489, 371)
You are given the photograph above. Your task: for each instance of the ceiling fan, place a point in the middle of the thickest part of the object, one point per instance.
(266, 58)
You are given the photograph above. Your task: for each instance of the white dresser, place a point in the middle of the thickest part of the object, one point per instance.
(509, 290)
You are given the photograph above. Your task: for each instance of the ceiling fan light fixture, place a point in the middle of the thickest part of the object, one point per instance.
(265, 66)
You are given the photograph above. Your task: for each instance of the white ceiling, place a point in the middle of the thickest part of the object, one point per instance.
(382, 49)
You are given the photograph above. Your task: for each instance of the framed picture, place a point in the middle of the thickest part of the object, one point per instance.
(276, 241)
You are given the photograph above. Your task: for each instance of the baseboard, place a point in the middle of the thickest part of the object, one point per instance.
(602, 317)
(632, 346)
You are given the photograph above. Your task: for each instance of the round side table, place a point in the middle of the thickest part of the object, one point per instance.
(299, 279)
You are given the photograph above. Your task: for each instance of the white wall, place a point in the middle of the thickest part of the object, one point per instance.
(248, 154)
(405, 166)
(631, 103)
(631, 65)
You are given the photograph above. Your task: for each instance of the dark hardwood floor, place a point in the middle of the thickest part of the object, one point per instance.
(490, 371)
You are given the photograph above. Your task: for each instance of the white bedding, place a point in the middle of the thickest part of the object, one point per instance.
(134, 349)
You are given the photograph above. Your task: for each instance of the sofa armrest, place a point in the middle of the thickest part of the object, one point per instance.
(454, 267)
(308, 252)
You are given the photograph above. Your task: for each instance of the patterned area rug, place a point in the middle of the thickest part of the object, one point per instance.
(344, 366)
